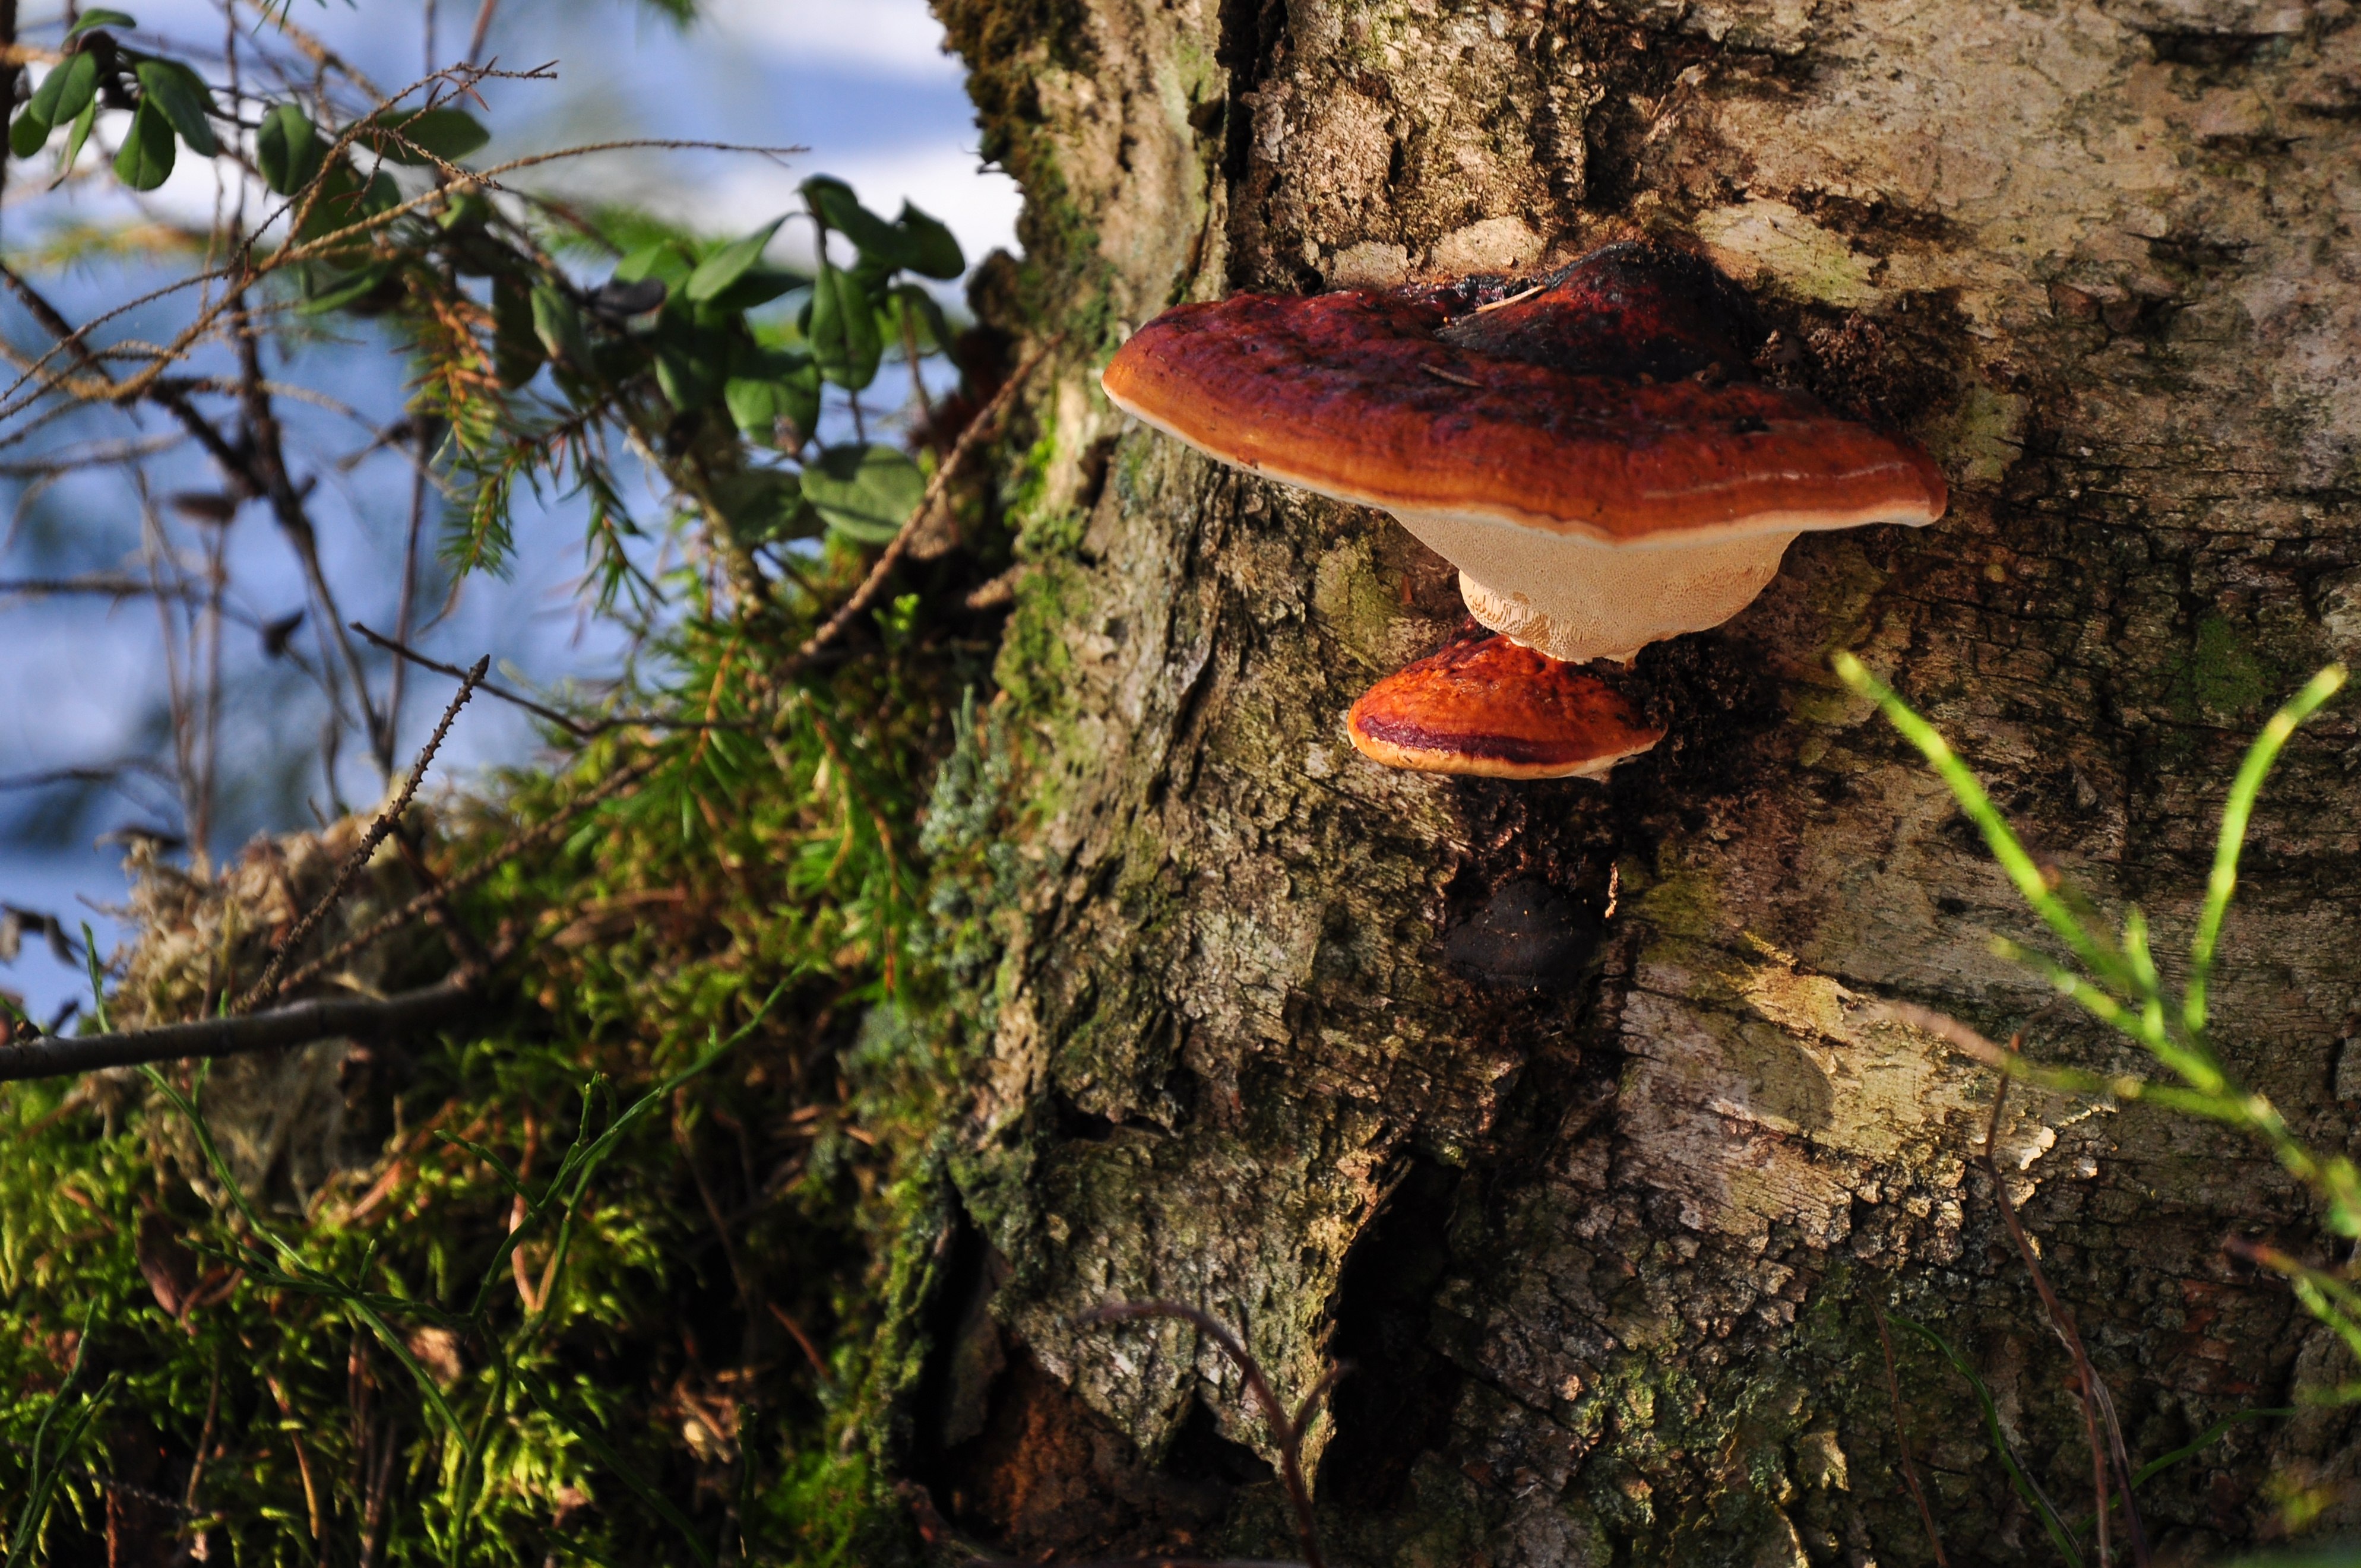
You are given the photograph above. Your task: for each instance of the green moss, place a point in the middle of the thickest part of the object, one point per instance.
(2226, 673)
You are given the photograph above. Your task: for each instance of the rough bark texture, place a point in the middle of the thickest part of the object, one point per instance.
(1563, 1110)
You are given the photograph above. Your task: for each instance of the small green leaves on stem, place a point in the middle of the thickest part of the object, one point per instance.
(2031, 883)
(2236, 813)
(834, 205)
(774, 398)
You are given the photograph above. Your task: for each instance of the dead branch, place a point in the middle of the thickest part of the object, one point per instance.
(581, 729)
(303, 1022)
(970, 441)
(268, 986)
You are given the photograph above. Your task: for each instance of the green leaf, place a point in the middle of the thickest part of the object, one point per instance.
(183, 96)
(338, 292)
(82, 122)
(764, 504)
(728, 264)
(66, 92)
(843, 330)
(99, 19)
(934, 333)
(29, 134)
(866, 493)
(146, 160)
(837, 208)
(689, 367)
(759, 287)
(934, 251)
(776, 400)
(517, 351)
(287, 149)
(662, 260)
(449, 135)
(559, 326)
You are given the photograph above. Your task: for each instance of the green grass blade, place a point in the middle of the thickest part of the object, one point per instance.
(2002, 842)
(2026, 1489)
(2237, 813)
(624, 1471)
(43, 1477)
(2202, 1440)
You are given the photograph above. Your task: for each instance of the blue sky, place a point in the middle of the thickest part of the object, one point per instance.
(862, 84)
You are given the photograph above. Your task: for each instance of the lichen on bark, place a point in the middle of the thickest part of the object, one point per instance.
(1567, 1109)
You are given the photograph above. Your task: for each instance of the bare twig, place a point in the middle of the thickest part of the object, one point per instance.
(299, 1023)
(581, 729)
(970, 440)
(1901, 1436)
(407, 606)
(1285, 1431)
(266, 988)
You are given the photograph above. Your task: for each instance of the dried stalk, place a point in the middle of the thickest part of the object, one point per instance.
(971, 440)
(266, 988)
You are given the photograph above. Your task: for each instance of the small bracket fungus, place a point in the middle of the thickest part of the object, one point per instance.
(1492, 708)
(1595, 455)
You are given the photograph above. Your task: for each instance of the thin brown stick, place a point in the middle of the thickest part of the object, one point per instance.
(483, 26)
(204, 1442)
(581, 729)
(296, 1024)
(1901, 1436)
(811, 1352)
(2061, 1323)
(970, 441)
(1284, 1428)
(266, 988)
(473, 960)
(302, 1459)
(406, 609)
(516, 845)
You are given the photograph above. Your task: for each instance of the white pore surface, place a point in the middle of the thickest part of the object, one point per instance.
(1577, 599)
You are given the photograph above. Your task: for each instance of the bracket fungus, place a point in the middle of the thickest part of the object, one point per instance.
(1491, 708)
(1596, 455)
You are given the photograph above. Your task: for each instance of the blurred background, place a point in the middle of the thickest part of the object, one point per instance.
(97, 667)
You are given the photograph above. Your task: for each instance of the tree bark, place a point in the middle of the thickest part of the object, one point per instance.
(1565, 1110)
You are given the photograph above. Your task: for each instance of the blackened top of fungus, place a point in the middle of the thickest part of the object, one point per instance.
(1636, 312)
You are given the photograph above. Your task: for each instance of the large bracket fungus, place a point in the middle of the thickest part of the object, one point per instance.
(1596, 455)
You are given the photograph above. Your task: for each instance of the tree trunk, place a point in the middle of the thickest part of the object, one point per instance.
(1563, 1111)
